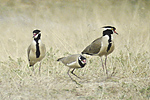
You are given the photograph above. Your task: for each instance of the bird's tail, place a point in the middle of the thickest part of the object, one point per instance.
(59, 59)
(30, 65)
(84, 52)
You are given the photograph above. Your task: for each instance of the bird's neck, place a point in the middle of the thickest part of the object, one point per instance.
(37, 41)
(38, 38)
(81, 64)
(110, 40)
(108, 33)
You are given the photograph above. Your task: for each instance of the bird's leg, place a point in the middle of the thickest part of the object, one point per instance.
(33, 70)
(102, 63)
(40, 69)
(106, 66)
(69, 74)
(113, 73)
(74, 73)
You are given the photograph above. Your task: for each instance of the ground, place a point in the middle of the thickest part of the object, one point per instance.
(67, 27)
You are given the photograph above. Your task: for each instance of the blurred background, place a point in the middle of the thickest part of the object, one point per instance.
(68, 26)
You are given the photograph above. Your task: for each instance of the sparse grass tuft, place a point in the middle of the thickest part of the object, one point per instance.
(67, 28)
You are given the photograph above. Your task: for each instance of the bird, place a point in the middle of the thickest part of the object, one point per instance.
(102, 46)
(73, 61)
(36, 50)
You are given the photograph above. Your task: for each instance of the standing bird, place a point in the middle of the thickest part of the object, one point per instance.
(37, 50)
(73, 61)
(102, 46)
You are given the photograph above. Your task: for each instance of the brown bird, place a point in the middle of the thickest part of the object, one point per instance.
(73, 61)
(37, 50)
(102, 46)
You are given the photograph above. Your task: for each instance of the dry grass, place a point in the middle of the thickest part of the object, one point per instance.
(68, 26)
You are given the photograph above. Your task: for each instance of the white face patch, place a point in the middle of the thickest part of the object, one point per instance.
(80, 58)
(36, 35)
(107, 28)
(83, 61)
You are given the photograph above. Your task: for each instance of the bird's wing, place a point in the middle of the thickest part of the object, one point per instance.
(69, 59)
(94, 47)
(43, 48)
(72, 63)
(28, 51)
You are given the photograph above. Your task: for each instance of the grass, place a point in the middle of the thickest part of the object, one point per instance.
(67, 28)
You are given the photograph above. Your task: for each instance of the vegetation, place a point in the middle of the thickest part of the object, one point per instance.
(67, 27)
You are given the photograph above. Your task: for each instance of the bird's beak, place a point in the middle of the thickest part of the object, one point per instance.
(84, 61)
(34, 34)
(115, 32)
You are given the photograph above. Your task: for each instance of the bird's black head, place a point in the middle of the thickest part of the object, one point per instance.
(36, 34)
(110, 29)
(82, 61)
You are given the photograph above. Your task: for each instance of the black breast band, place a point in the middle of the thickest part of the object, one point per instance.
(109, 43)
(37, 50)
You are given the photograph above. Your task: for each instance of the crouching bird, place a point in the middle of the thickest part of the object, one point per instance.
(102, 46)
(73, 61)
(37, 50)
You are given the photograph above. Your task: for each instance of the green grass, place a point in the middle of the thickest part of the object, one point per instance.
(67, 28)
